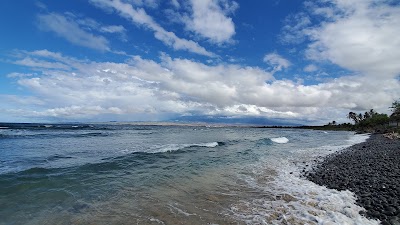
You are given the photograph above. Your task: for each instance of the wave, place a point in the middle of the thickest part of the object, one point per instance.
(39, 126)
(28, 134)
(299, 200)
(58, 157)
(36, 171)
(92, 134)
(280, 140)
(177, 147)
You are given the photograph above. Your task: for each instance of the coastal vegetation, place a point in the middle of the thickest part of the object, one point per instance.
(396, 112)
(368, 122)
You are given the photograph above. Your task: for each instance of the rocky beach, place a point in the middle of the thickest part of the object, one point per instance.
(371, 170)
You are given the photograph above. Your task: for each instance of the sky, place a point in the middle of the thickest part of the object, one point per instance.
(304, 62)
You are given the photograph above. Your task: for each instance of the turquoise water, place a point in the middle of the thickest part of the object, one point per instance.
(131, 174)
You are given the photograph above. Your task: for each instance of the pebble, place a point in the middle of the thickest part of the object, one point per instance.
(371, 170)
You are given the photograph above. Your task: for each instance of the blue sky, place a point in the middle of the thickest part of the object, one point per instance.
(150, 60)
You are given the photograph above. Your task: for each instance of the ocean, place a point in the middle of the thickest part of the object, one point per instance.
(142, 174)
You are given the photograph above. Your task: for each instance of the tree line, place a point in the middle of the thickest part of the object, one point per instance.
(372, 120)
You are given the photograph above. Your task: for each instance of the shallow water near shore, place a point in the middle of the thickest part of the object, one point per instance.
(130, 174)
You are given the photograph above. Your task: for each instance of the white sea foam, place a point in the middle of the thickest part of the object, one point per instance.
(4, 127)
(171, 147)
(299, 201)
(359, 138)
(176, 147)
(156, 220)
(291, 199)
(176, 210)
(280, 140)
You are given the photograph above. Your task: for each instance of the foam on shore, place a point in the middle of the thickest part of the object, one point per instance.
(370, 170)
(288, 198)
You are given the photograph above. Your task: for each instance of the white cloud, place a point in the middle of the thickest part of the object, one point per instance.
(293, 30)
(113, 29)
(310, 68)
(360, 35)
(140, 17)
(37, 63)
(68, 29)
(209, 19)
(24, 100)
(146, 3)
(19, 75)
(277, 61)
(92, 25)
(41, 5)
(181, 86)
(175, 3)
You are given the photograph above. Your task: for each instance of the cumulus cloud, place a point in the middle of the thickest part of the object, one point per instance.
(140, 17)
(68, 29)
(182, 86)
(361, 36)
(276, 61)
(209, 19)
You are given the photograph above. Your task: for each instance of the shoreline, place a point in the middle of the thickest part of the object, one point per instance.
(371, 170)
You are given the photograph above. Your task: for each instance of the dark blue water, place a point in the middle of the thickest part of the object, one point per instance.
(133, 174)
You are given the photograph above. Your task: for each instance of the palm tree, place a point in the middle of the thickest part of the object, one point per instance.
(360, 117)
(396, 112)
(366, 116)
(372, 113)
(353, 116)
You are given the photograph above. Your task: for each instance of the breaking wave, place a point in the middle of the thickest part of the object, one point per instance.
(280, 140)
(177, 147)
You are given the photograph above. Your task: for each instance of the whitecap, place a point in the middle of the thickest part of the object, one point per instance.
(280, 140)
(292, 199)
(177, 147)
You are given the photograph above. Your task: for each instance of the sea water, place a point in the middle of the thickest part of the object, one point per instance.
(136, 174)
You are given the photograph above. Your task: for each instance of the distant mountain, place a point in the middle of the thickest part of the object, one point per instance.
(261, 121)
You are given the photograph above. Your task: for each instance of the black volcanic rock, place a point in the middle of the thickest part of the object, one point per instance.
(372, 171)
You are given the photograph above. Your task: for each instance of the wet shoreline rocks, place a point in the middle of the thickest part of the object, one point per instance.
(371, 170)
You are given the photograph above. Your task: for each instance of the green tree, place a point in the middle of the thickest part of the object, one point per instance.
(395, 112)
(372, 112)
(374, 121)
(353, 116)
(366, 115)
